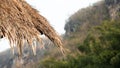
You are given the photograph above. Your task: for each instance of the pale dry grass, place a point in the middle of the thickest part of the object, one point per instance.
(20, 22)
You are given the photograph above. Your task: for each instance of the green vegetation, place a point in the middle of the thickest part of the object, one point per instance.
(92, 37)
(92, 40)
(101, 48)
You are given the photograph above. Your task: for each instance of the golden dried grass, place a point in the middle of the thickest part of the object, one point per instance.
(19, 22)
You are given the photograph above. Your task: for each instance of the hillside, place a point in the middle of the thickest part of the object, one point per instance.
(8, 60)
(92, 40)
(80, 23)
(92, 37)
(86, 18)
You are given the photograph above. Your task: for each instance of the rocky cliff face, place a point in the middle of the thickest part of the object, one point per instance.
(114, 8)
(83, 19)
(8, 60)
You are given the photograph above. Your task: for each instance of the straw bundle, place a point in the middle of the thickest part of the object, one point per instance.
(20, 22)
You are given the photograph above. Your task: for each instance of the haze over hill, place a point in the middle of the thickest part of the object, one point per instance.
(92, 37)
(55, 13)
(92, 40)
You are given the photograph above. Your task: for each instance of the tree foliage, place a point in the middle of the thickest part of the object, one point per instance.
(101, 48)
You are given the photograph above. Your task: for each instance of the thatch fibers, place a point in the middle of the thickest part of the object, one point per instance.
(20, 22)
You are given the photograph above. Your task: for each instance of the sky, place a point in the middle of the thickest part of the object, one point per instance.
(56, 12)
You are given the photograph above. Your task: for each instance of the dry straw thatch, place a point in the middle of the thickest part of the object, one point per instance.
(19, 22)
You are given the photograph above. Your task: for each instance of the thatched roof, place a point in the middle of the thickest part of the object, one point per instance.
(19, 22)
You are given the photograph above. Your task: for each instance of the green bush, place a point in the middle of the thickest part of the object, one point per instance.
(101, 48)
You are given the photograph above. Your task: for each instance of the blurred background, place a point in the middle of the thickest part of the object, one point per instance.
(90, 30)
